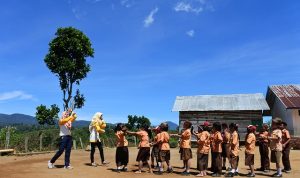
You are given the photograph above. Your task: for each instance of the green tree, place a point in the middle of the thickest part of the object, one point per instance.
(46, 115)
(135, 122)
(67, 60)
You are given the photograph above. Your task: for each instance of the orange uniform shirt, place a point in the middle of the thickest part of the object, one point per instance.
(121, 139)
(226, 136)
(163, 140)
(276, 140)
(216, 142)
(263, 136)
(250, 143)
(234, 143)
(144, 138)
(203, 142)
(185, 139)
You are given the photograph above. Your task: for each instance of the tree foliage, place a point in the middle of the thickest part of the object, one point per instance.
(135, 122)
(67, 60)
(46, 115)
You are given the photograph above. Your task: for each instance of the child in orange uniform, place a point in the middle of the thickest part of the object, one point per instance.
(250, 149)
(144, 147)
(203, 141)
(264, 149)
(164, 148)
(122, 153)
(276, 145)
(286, 147)
(234, 149)
(216, 143)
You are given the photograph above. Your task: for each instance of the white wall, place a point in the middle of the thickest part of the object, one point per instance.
(290, 116)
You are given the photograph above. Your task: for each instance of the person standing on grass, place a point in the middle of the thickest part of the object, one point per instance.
(234, 150)
(65, 125)
(203, 140)
(264, 149)
(96, 128)
(250, 140)
(216, 143)
(144, 135)
(276, 145)
(225, 146)
(164, 148)
(286, 147)
(122, 153)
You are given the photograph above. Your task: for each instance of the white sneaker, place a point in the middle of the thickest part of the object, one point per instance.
(94, 164)
(68, 167)
(50, 165)
(105, 162)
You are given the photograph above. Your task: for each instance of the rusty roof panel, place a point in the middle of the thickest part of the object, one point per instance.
(289, 95)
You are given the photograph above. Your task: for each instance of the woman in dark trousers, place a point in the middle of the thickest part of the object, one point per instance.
(65, 125)
(96, 128)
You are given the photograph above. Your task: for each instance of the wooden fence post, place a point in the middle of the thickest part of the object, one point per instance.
(41, 141)
(7, 138)
(74, 145)
(81, 143)
(26, 143)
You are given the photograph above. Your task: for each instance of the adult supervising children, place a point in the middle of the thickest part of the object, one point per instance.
(65, 125)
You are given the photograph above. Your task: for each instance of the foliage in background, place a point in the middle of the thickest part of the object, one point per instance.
(135, 122)
(67, 60)
(47, 116)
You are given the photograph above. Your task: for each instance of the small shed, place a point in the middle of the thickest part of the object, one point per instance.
(284, 102)
(244, 109)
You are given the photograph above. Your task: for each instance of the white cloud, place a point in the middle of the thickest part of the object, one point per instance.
(187, 7)
(193, 6)
(190, 33)
(79, 14)
(149, 19)
(15, 95)
(127, 3)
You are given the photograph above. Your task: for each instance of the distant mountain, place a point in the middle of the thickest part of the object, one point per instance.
(6, 119)
(172, 125)
(22, 119)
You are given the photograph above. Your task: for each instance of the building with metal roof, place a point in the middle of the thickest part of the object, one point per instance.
(244, 109)
(284, 102)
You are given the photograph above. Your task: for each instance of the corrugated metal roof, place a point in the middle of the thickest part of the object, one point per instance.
(289, 95)
(235, 102)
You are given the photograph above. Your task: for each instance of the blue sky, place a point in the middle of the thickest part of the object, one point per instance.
(147, 52)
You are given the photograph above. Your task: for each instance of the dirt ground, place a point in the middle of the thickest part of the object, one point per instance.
(35, 166)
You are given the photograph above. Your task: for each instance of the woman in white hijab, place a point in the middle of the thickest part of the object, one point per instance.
(96, 128)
